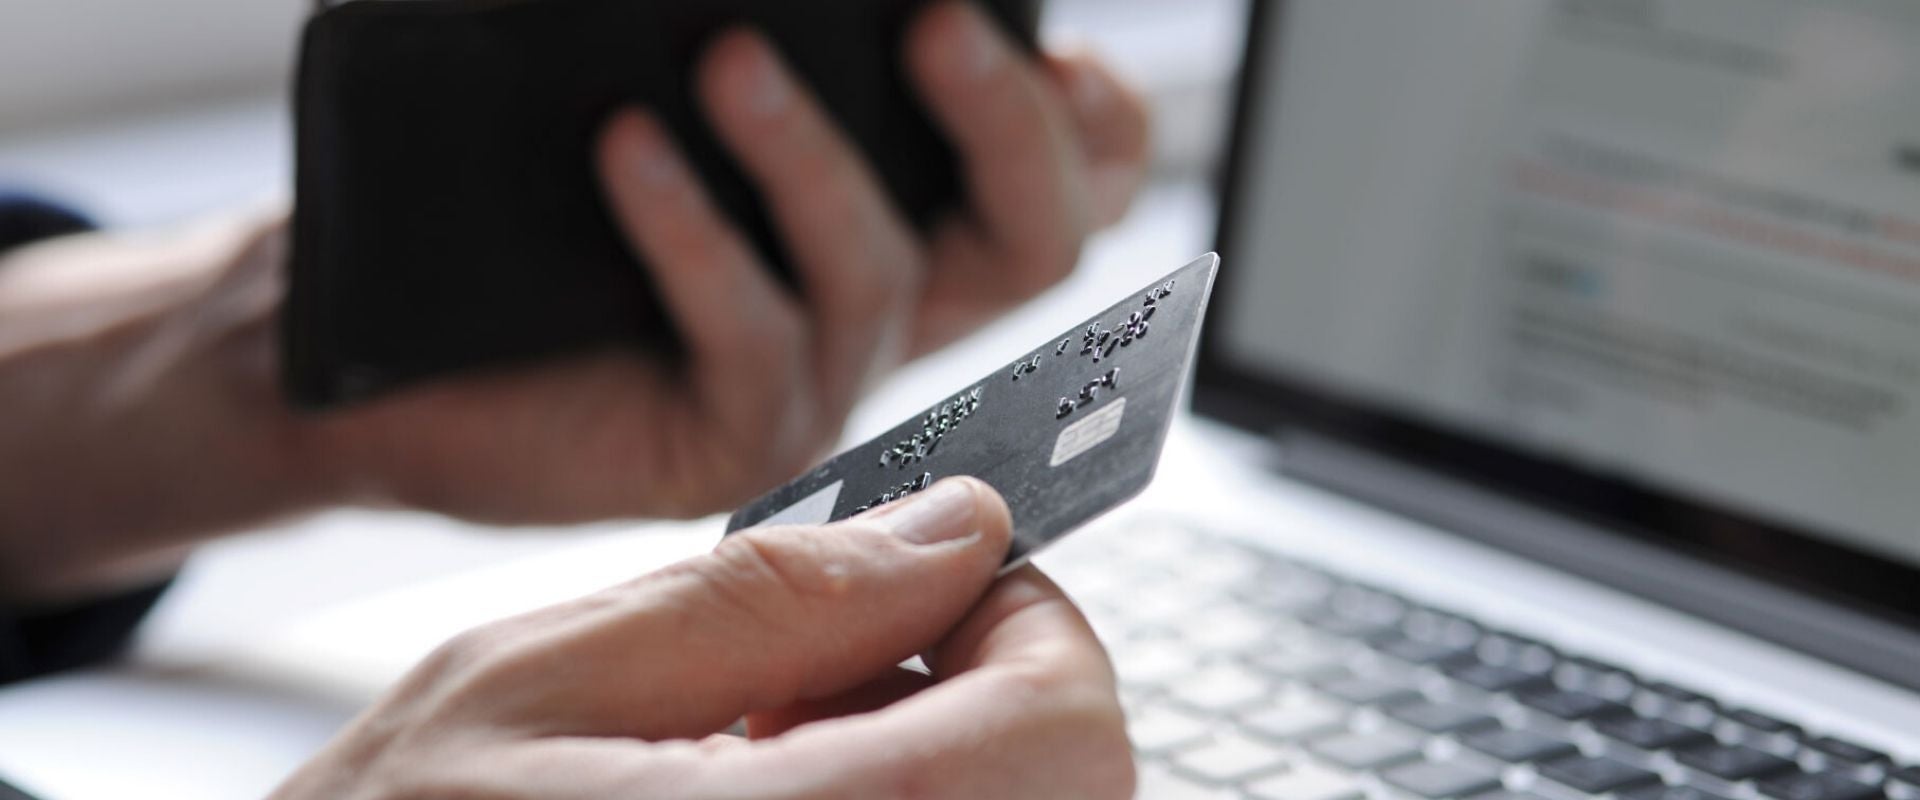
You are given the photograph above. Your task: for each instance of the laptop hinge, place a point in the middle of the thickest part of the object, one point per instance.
(1815, 626)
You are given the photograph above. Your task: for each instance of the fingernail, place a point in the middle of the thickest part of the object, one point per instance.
(979, 47)
(766, 83)
(943, 512)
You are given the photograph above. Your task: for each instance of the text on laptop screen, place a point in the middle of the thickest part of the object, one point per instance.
(1677, 241)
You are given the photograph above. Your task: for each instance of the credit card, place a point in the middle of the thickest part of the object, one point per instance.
(1066, 432)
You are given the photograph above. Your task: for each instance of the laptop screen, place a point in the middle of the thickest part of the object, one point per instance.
(1653, 261)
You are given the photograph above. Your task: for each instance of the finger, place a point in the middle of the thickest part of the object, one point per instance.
(1023, 169)
(1020, 622)
(859, 260)
(1014, 138)
(1114, 127)
(772, 616)
(746, 339)
(873, 695)
(570, 768)
(1028, 710)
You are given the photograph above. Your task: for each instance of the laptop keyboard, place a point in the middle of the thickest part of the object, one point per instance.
(1247, 675)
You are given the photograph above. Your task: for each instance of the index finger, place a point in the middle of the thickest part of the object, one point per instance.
(1027, 708)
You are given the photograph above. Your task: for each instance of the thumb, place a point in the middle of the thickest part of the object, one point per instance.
(772, 616)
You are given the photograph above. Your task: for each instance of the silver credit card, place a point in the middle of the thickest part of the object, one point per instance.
(1065, 432)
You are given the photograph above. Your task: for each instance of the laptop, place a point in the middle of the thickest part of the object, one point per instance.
(1562, 382)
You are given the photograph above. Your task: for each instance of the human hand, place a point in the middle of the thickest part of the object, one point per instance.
(621, 693)
(139, 367)
(1051, 149)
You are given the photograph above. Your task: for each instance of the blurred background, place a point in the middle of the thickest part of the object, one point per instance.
(145, 112)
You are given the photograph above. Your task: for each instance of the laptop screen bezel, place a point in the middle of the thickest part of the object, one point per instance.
(1265, 401)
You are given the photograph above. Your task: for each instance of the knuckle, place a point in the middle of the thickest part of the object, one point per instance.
(1039, 681)
(467, 652)
(783, 563)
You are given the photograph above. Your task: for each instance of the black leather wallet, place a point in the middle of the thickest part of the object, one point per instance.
(447, 211)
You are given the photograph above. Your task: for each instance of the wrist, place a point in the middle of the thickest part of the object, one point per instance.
(299, 462)
(143, 415)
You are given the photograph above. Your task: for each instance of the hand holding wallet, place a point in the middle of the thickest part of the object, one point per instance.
(448, 216)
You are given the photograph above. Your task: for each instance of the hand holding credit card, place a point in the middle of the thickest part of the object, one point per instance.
(1065, 432)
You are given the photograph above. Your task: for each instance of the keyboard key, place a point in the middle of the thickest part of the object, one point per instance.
(1219, 689)
(1570, 705)
(1841, 751)
(1596, 678)
(1299, 719)
(1904, 784)
(1158, 729)
(1153, 662)
(1306, 782)
(1676, 695)
(1732, 762)
(1818, 786)
(1228, 629)
(1367, 691)
(1495, 678)
(1297, 663)
(1650, 734)
(1343, 626)
(1229, 758)
(1154, 540)
(1684, 706)
(1669, 792)
(1414, 651)
(1441, 717)
(1439, 627)
(1164, 602)
(1518, 652)
(1357, 602)
(1517, 746)
(1366, 752)
(1357, 612)
(1506, 794)
(1220, 564)
(1160, 783)
(1287, 590)
(1761, 723)
(1595, 775)
(1441, 780)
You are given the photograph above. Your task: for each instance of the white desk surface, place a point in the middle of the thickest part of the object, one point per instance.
(271, 641)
